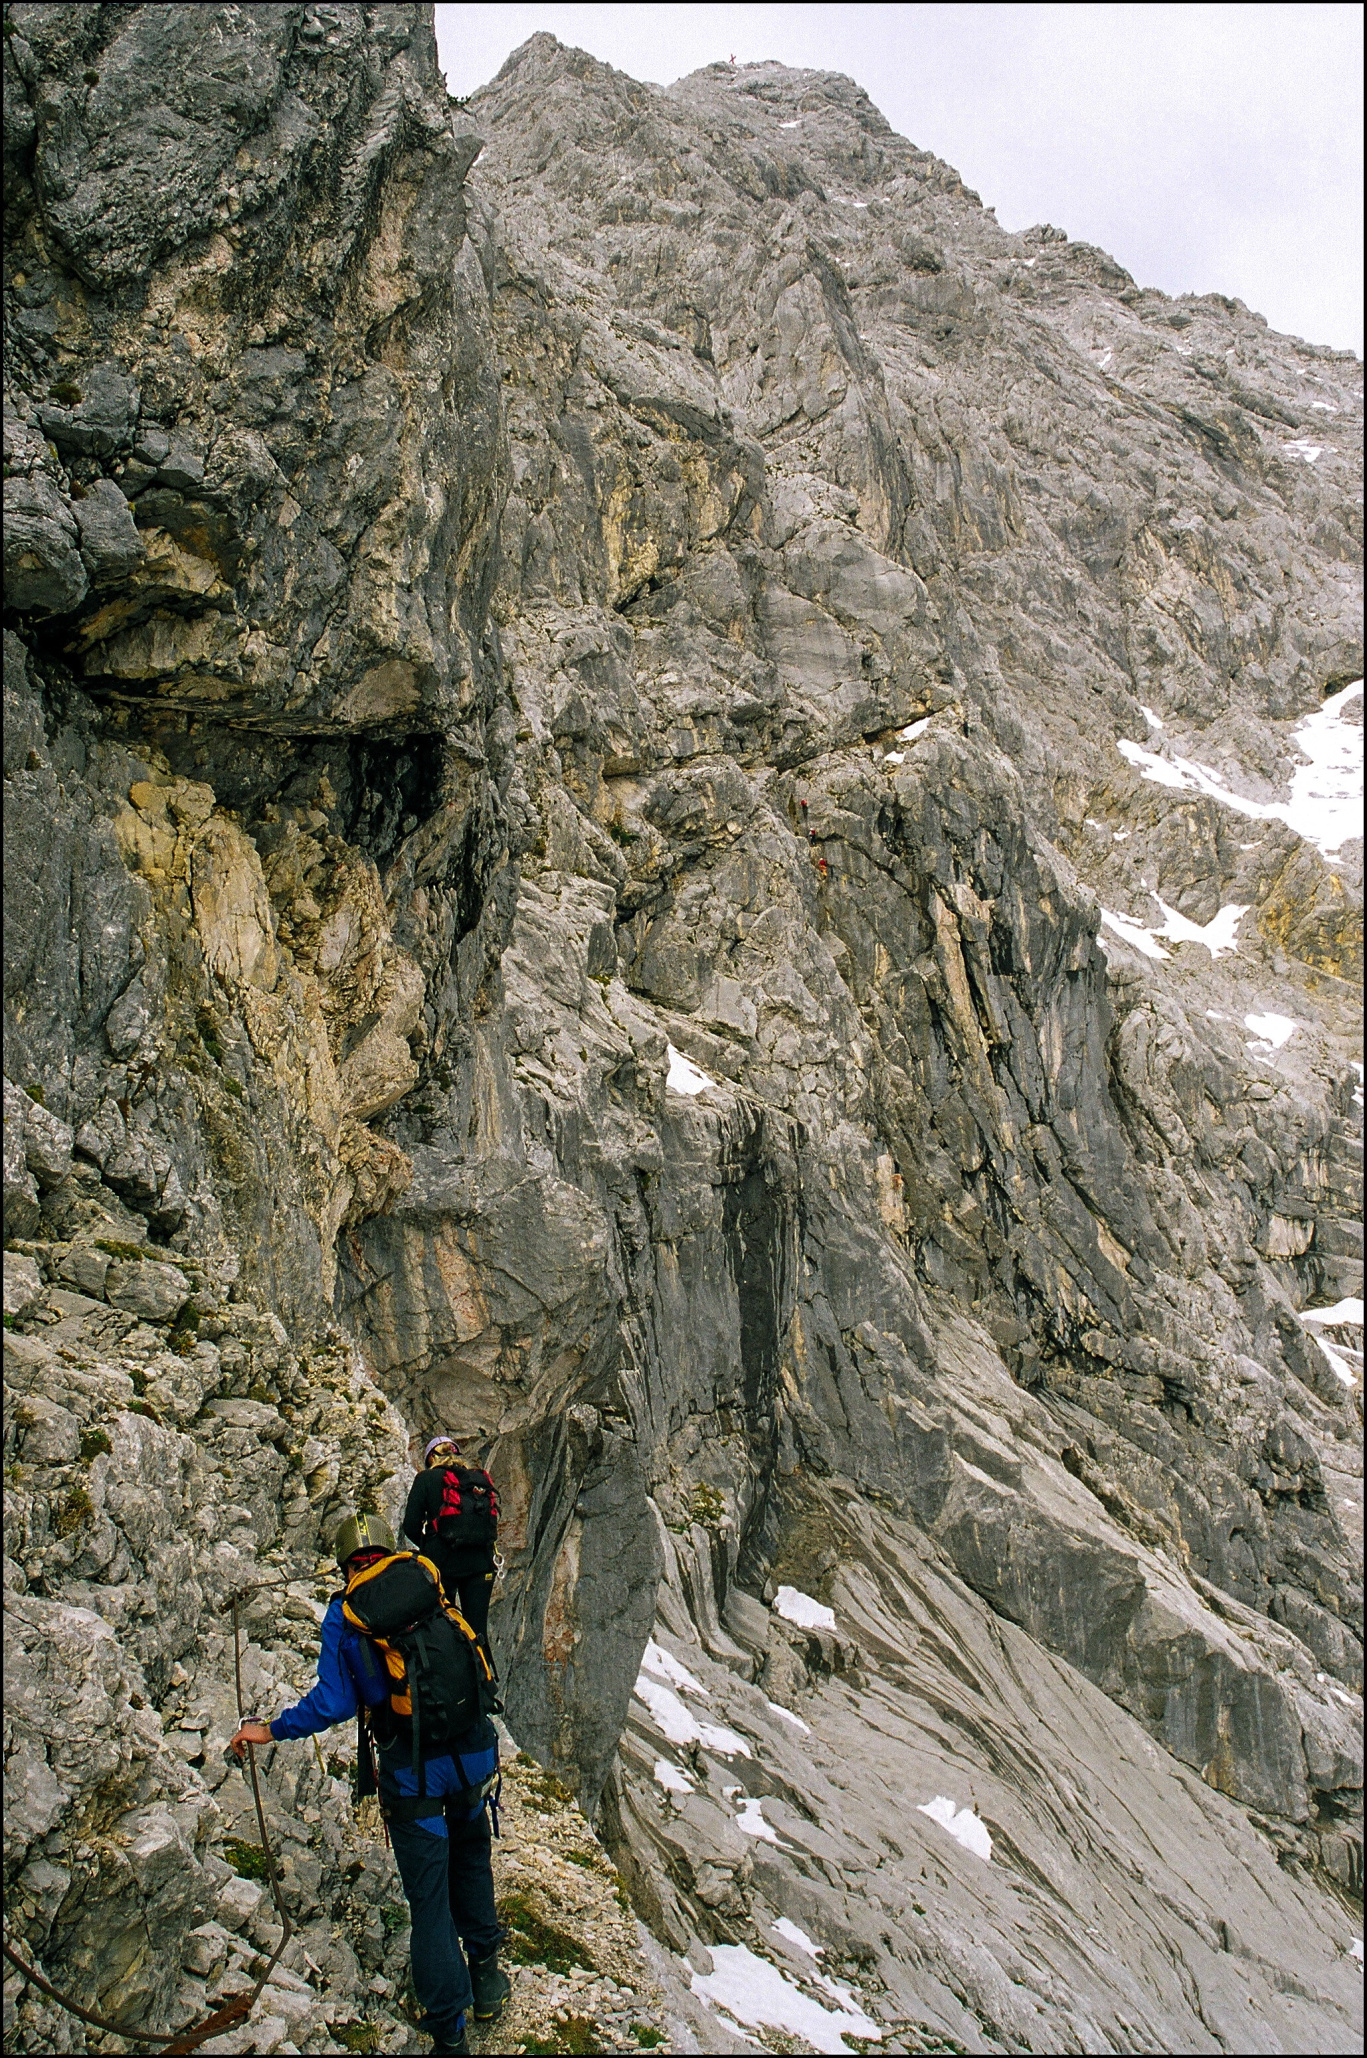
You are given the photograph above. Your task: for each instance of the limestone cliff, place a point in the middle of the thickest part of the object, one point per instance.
(674, 805)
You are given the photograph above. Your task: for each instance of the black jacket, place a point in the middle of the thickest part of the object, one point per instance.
(424, 1503)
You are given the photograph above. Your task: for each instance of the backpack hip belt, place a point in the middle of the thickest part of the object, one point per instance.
(459, 1806)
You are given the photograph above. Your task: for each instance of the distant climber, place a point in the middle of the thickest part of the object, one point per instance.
(398, 1655)
(452, 1516)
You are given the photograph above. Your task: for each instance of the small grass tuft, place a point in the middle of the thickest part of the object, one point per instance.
(93, 1441)
(646, 2035)
(706, 1505)
(185, 1335)
(74, 1512)
(249, 1862)
(543, 1789)
(576, 2034)
(533, 1941)
(357, 2036)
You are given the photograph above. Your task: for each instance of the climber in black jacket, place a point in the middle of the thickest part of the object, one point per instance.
(452, 1516)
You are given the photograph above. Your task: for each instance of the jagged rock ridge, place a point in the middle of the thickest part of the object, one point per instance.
(657, 598)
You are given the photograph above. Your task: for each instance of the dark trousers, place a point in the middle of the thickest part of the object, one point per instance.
(474, 1589)
(449, 1884)
(469, 1591)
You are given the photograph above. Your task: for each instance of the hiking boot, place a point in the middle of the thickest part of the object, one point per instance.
(491, 1986)
(446, 2049)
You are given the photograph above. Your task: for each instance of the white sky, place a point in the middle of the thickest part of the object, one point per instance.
(1209, 148)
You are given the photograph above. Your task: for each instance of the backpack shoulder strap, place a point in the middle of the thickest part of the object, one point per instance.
(453, 1614)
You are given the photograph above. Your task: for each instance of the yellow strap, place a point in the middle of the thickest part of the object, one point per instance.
(373, 1571)
(448, 1607)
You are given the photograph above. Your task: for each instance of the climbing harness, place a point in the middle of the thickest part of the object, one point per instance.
(175, 2044)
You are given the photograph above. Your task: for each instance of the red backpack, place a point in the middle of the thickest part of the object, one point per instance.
(468, 1514)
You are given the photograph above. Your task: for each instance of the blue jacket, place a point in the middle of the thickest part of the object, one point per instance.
(351, 1675)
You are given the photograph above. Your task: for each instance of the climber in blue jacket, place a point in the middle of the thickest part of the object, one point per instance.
(445, 1857)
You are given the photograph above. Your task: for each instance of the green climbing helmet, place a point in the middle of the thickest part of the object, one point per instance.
(362, 1533)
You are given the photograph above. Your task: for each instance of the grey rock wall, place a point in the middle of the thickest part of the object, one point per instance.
(565, 661)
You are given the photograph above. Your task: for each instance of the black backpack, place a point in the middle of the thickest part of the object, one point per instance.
(468, 1514)
(441, 1681)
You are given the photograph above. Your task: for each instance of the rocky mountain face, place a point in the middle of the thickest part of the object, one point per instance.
(673, 805)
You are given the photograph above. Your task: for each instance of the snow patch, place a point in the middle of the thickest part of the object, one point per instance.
(679, 1726)
(913, 730)
(1322, 407)
(841, 200)
(795, 1606)
(684, 1076)
(672, 1778)
(790, 124)
(1325, 806)
(1153, 767)
(1133, 933)
(1154, 721)
(838, 1991)
(794, 1935)
(1218, 935)
(1103, 364)
(1304, 448)
(1121, 835)
(895, 757)
(787, 1715)
(750, 1822)
(963, 1824)
(1355, 1949)
(1338, 1364)
(1346, 1314)
(1357, 1097)
(1326, 794)
(757, 1994)
(1274, 1029)
(664, 1667)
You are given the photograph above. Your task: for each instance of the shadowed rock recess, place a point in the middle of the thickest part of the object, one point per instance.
(656, 810)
